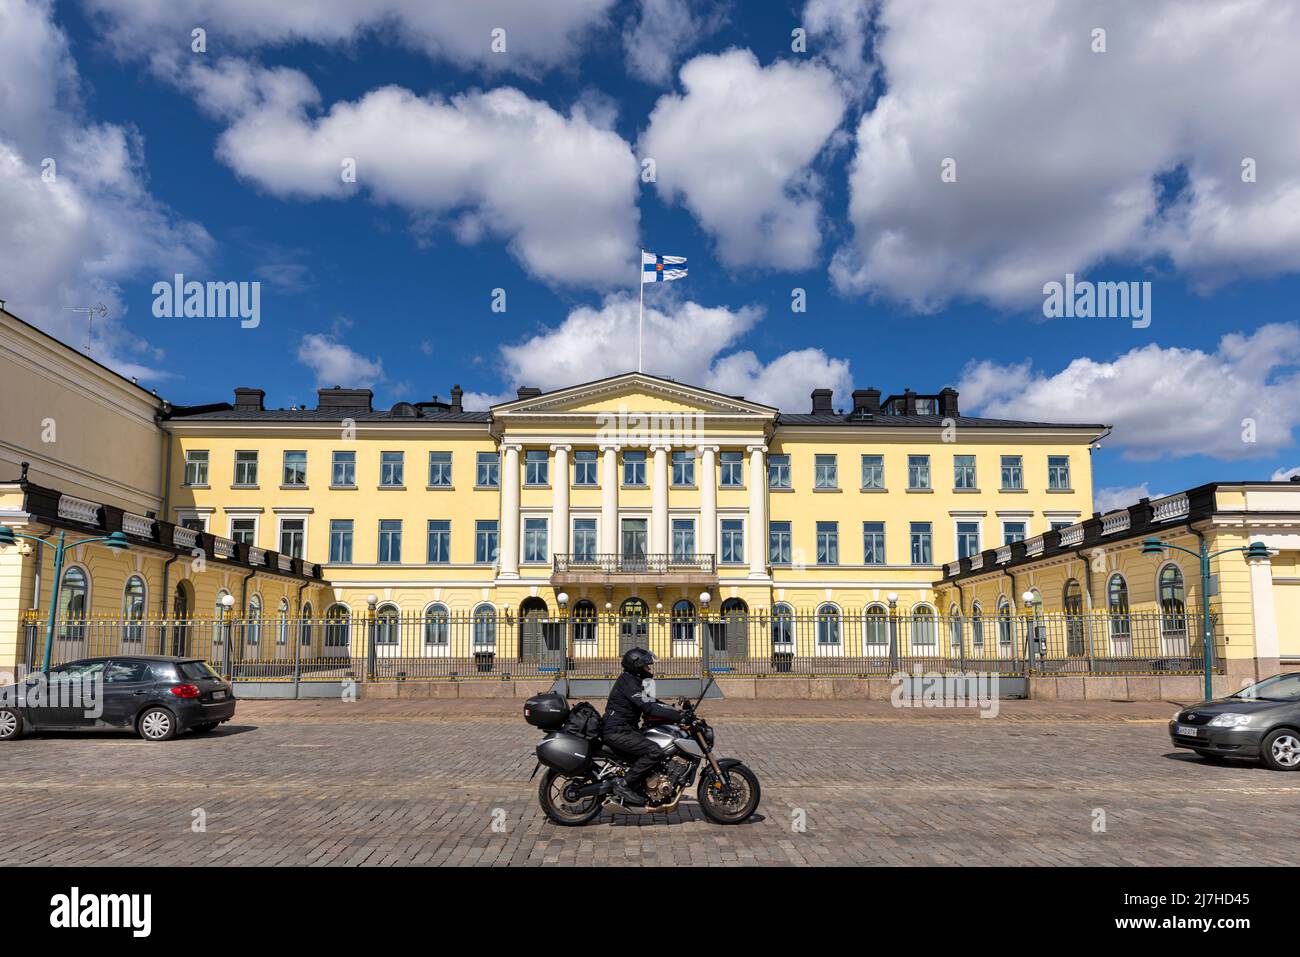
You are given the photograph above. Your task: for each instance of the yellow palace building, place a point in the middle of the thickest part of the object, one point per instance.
(624, 498)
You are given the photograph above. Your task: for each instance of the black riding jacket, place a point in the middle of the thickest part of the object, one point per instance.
(628, 701)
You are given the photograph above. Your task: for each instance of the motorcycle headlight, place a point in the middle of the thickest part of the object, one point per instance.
(1230, 721)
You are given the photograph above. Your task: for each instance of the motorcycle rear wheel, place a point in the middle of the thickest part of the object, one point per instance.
(550, 795)
(736, 801)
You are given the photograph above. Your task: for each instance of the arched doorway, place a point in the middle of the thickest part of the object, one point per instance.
(633, 624)
(536, 636)
(729, 638)
(182, 608)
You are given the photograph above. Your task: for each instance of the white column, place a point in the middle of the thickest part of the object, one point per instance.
(508, 553)
(560, 500)
(708, 479)
(659, 543)
(609, 500)
(1267, 646)
(757, 511)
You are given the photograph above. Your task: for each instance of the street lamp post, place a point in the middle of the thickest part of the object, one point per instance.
(115, 540)
(1153, 546)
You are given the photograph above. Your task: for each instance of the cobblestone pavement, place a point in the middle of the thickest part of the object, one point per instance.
(385, 783)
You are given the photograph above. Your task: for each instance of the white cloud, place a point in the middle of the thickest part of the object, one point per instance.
(1121, 496)
(839, 33)
(664, 31)
(683, 340)
(1285, 475)
(71, 239)
(560, 190)
(537, 38)
(334, 363)
(1058, 148)
(737, 149)
(1163, 402)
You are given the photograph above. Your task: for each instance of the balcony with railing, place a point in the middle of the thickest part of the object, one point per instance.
(612, 567)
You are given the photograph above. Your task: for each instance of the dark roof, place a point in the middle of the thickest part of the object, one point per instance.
(925, 421)
(225, 412)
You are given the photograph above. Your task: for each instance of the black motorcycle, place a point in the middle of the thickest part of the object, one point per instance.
(581, 768)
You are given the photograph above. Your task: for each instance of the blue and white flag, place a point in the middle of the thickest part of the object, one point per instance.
(662, 268)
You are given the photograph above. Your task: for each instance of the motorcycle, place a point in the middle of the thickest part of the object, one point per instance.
(581, 769)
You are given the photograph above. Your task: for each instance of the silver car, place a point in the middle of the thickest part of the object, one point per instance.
(1261, 722)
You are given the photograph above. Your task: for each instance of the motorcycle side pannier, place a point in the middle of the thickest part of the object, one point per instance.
(564, 752)
(546, 711)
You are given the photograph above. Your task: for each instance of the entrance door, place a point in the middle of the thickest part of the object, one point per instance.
(634, 545)
(532, 627)
(633, 626)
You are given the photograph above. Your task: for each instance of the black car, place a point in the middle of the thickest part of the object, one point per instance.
(1260, 722)
(156, 696)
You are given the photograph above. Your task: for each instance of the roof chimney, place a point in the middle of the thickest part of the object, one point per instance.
(353, 400)
(456, 395)
(249, 399)
(529, 392)
(866, 401)
(948, 402)
(909, 402)
(821, 401)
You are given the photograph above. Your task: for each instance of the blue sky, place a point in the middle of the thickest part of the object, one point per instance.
(776, 169)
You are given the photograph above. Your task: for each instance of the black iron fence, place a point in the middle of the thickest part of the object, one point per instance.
(440, 645)
(618, 562)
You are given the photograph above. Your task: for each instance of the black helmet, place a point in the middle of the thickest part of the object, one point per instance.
(638, 661)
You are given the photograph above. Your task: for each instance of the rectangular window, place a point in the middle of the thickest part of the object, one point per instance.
(968, 539)
(440, 470)
(873, 543)
(487, 470)
(1057, 526)
(1058, 471)
(439, 541)
(243, 531)
(390, 541)
(921, 553)
(584, 539)
(1013, 532)
(828, 543)
(485, 541)
(195, 522)
(392, 469)
(537, 467)
(634, 538)
(343, 470)
(535, 544)
(295, 468)
(778, 543)
(1013, 472)
(634, 468)
(732, 468)
(684, 469)
(683, 539)
(341, 541)
(873, 471)
(196, 468)
(293, 531)
(585, 467)
(963, 472)
(778, 471)
(246, 468)
(825, 472)
(918, 471)
(733, 541)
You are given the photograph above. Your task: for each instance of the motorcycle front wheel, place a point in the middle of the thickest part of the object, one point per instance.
(735, 801)
(550, 794)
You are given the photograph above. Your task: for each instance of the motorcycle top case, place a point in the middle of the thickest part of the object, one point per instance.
(568, 753)
(546, 711)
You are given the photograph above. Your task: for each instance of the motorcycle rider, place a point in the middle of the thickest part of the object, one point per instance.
(629, 700)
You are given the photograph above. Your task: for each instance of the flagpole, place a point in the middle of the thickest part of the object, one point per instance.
(640, 316)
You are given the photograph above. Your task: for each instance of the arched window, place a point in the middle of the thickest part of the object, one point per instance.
(683, 621)
(485, 626)
(387, 624)
(782, 624)
(1004, 622)
(584, 621)
(282, 622)
(924, 628)
(304, 626)
(338, 627)
(1121, 627)
(828, 625)
(73, 599)
(977, 625)
(1072, 604)
(954, 629)
(133, 605)
(220, 606)
(1072, 598)
(1173, 602)
(222, 615)
(437, 629)
(254, 633)
(875, 630)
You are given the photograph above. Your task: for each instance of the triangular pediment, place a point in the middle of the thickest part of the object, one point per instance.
(632, 392)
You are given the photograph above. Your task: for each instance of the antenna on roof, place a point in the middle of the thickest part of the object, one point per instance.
(90, 311)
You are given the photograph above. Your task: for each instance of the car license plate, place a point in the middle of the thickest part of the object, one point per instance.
(221, 696)
(1188, 731)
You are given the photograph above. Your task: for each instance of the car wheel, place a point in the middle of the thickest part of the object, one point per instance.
(1281, 750)
(157, 724)
(11, 724)
(205, 727)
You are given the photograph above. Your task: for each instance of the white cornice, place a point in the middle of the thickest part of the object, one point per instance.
(555, 402)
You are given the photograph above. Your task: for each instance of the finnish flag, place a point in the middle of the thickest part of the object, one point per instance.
(662, 268)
